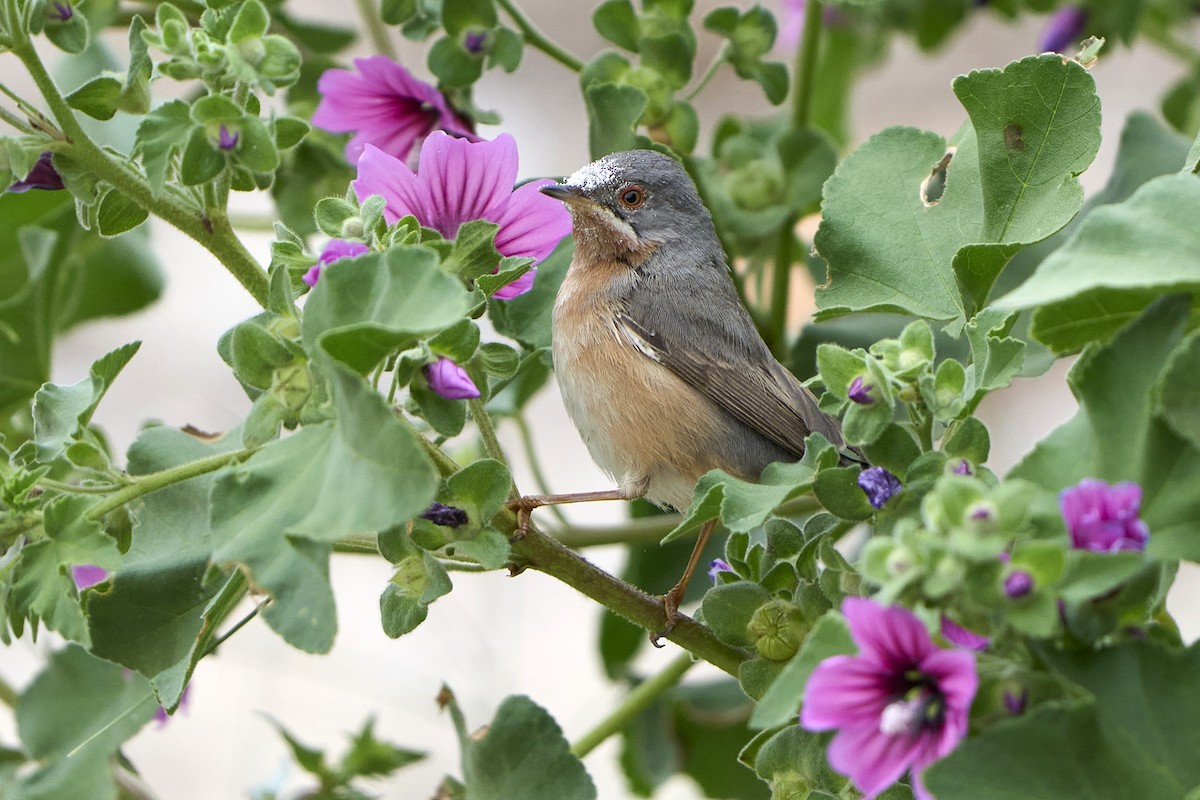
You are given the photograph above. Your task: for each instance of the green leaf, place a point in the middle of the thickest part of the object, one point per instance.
(135, 94)
(453, 64)
(61, 412)
(256, 146)
(279, 512)
(1179, 390)
(728, 608)
(371, 757)
(460, 16)
(201, 161)
(830, 636)
(1086, 290)
(419, 580)
(289, 131)
(29, 318)
(616, 21)
(474, 252)
(526, 317)
(71, 35)
(119, 213)
(98, 98)
(613, 113)
(362, 309)
(159, 136)
(251, 22)
(80, 701)
(523, 754)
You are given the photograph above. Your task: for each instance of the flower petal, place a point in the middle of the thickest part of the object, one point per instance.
(531, 224)
(518, 287)
(890, 637)
(873, 760)
(385, 175)
(464, 180)
(844, 690)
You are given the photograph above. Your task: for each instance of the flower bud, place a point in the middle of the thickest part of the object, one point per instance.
(860, 392)
(900, 561)
(777, 628)
(1018, 584)
(756, 186)
(252, 50)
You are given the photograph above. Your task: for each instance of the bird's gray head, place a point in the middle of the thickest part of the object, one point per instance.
(632, 202)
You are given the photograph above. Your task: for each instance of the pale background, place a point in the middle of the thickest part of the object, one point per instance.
(493, 635)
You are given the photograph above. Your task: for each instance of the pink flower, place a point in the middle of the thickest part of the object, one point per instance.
(899, 705)
(383, 105)
(1104, 518)
(458, 181)
(450, 380)
(959, 636)
(86, 575)
(335, 250)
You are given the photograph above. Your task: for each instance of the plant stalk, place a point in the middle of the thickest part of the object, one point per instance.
(538, 40)
(637, 701)
(806, 64)
(159, 480)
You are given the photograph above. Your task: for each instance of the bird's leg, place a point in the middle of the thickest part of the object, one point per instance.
(673, 598)
(525, 505)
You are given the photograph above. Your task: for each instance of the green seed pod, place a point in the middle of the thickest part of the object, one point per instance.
(778, 628)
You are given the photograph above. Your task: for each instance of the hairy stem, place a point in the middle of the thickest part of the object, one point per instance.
(637, 701)
(806, 64)
(715, 65)
(17, 122)
(539, 477)
(212, 232)
(159, 480)
(487, 432)
(535, 37)
(375, 27)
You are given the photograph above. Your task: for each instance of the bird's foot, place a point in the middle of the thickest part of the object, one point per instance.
(671, 601)
(524, 506)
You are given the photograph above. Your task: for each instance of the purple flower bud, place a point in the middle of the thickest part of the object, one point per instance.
(450, 380)
(61, 11)
(860, 392)
(446, 516)
(879, 485)
(963, 467)
(1063, 29)
(1015, 700)
(42, 176)
(961, 637)
(716, 567)
(1018, 584)
(86, 575)
(1103, 518)
(334, 250)
(474, 41)
(227, 139)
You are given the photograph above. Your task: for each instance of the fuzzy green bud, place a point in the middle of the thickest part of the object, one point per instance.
(789, 786)
(756, 186)
(778, 628)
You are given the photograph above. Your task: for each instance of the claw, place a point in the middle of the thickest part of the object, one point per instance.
(523, 507)
(671, 602)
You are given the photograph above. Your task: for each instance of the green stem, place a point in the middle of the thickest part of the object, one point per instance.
(213, 233)
(159, 480)
(717, 61)
(781, 276)
(16, 121)
(806, 64)
(535, 37)
(59, 486)
(359, 545)
(539, 551)
(487, 431)
(539, 477)
(637, 701)
(375, 27)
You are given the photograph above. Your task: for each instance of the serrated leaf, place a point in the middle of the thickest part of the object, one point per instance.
(59, 411)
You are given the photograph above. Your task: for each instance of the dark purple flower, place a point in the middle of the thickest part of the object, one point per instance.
(450, 380)
(717, 566)
(879, 485)
(963, 467)
(385, 106)
(959, 636)
(860, 392)
(457, 181)
(86, 575)
(161, 715)
(335, 250)
(899, 705)
(61, 11)
(1018, 584)
(42, 176)
(1063, 29)
(227, 139)
(1015, 700)
(1104, 518)
(444, 515)
(474, 41)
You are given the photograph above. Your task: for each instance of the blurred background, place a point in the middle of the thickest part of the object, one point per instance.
(493, 635)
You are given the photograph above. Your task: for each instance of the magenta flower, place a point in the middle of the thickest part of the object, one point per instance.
(716, 567)
(335, 250)
(42, 176)
(899, 705)
(385, 106)
(86, 575)
(959, 636)
(226, 139)
(450, 380)
(1018, 584)
(860, 392)
(457, 181)
(1104, 518)
(1063, 29)
(879, 485)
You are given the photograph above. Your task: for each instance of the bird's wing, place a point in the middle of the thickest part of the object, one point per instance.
(759, 391)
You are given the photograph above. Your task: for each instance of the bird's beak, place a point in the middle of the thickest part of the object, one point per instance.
(565, 192)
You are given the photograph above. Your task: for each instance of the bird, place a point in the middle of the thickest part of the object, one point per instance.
(660, 366)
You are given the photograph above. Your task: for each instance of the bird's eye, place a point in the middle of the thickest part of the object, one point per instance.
(632, 196)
